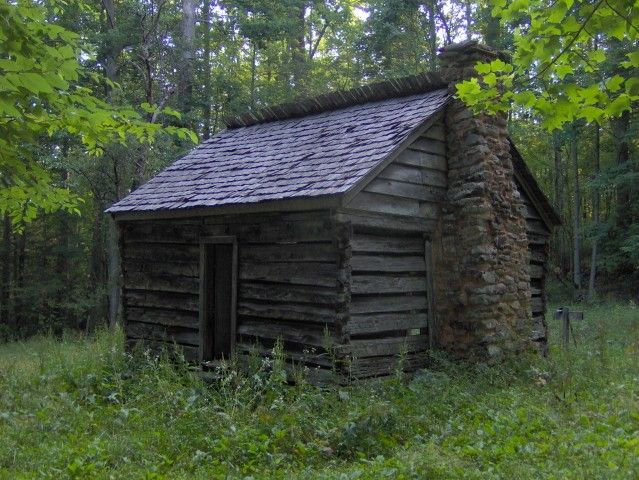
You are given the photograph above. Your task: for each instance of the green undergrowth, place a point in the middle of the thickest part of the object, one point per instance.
(83, 408)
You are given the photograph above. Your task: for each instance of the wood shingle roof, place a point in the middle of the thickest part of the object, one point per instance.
(288, 156)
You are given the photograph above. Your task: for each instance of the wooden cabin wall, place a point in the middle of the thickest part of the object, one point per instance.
(390, 219)
(289, 281)
(538, 237)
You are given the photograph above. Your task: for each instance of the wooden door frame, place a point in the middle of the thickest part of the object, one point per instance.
(204, 243)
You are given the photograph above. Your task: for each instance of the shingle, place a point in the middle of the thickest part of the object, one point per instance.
(323, 153)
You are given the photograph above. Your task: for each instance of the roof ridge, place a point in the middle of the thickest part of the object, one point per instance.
(336, 99)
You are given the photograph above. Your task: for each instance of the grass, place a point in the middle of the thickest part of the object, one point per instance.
(82, 408)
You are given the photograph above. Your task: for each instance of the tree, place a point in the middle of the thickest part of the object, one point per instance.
(45, 90)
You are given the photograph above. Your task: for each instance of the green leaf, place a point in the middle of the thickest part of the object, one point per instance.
(614, 84)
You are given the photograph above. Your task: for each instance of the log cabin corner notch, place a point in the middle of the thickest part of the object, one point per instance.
(386, 219)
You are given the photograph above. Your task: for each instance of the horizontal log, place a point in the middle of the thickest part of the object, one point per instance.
(165, 300)
(387, 346)
(535, 239)
(378, 366)
(537, 304)
(320, 274)
(536, 271)
(315, 335)
(161, 283)
(418, 158)
(303, 252)
(186, 269)
(287, 311)
(312, 230)
(306, 358)
(162, 252)
(370, 284)
(429, 145)
(419, 176)
(362, 243)
(536, 226)
(162, 231)
(388, 263)
(411, 191)
(385, 322)
(531, 213)
(377, 223)
(436, 132)
(162, 333)
(288, 293)
(381, 304)
(163, 317)
(381, 203)
(537, 256)
(191, 353)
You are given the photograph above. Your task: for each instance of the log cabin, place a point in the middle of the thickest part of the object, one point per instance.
(360, 227)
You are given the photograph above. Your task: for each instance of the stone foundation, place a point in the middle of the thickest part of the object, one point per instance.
(482, 277)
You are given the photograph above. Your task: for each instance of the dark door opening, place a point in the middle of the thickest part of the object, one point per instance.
(218, 278)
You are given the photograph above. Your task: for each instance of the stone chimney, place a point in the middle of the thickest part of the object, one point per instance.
(483, 285)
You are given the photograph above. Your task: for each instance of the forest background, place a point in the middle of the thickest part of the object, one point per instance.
(97, 96)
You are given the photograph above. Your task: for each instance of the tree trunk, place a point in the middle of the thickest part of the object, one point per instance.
(188, 58)
(298, 50)
(206, 71)
(253, 72)
(6, 315)
(622, 150)
(576, 223)
(432, 33)
(595, 215)
(559, 201)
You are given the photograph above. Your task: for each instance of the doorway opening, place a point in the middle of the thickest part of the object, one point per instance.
(218, 297)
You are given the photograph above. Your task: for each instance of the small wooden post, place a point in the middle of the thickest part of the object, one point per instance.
(565, 315)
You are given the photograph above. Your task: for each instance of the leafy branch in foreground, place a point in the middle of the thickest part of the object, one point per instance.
(44, 90)
(556, 43)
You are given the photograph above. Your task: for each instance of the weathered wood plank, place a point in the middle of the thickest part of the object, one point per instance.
(311, 230)
(163, 317)
(536, 226)
(381, 304)
(162, 333)
(421, 159)
(179, 231)
(161, 252)
(288, 293)
(306, 334)
(385, 322)
(387, 346)
(537, 256)
(148, 267)
(287, 312)
(378, 366)
(166, 300)
(388, 263)
(320, 274)
(369, 284)
(292, 252)
(429, 145)
(311, 359)
(537, 304)
(380, 203)
(161, 283)
(436, 132)
(362, 243)
(377, 223)
(407, 190)
(536, 271)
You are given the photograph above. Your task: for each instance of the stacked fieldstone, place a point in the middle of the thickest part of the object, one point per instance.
(482, 269)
